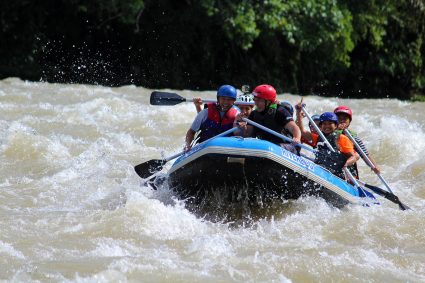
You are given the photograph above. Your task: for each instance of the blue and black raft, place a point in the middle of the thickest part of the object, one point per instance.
(261, 170)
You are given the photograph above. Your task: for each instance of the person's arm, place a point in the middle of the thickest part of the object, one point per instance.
(244, 130)
(347, 148)
(284, 117)
(196, 126)
(294, 130)
(249, 131)
(198, 104)
(299, 122)
(352, 158)
(190, 135)
(240, 124)
(377, 170)
(364, 148)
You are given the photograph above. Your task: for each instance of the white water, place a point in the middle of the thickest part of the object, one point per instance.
(73, 210)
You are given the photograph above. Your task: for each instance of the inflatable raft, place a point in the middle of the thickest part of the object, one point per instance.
(258, 170)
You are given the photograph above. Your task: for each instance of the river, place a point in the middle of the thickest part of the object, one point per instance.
(72, 208)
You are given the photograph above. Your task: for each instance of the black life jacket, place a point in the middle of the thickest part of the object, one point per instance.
(333, 161)
(268, 120)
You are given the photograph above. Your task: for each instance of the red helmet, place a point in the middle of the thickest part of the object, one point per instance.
(344, 109)
(266, 92)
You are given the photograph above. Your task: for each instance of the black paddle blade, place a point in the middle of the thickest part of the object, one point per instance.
(148, 168)
(389, 196)
(165, 98)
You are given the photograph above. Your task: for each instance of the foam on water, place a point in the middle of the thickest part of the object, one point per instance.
(73, 210)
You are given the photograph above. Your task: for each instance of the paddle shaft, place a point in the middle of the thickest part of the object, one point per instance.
(219, 135)
(285, 138)
(366, 159)
(389, 196)
(170, 99)
(154, 165)
(214, 101)
(204, 100)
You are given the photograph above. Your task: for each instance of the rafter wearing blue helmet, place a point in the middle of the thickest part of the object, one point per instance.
(344, 154)
(216, 118)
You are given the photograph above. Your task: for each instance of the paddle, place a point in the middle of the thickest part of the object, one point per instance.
(366, 158)
(170, 98)
(285, 138)
(386, 194)
(389, 196)
(145, 169)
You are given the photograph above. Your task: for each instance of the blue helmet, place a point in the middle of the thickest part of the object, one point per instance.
(315, 117)
(227, 91)
(329, 116)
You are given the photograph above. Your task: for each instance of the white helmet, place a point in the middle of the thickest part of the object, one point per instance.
(245, 99)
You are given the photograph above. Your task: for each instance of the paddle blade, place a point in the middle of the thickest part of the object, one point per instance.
(165, 98)
(389, 196)
(148, 168)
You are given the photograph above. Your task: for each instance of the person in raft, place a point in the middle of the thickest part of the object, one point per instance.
(345, 116)
(245, 102)
(216, 118)
(344, 155)
(271, 115)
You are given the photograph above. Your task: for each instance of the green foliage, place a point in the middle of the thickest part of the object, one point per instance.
(104, 11)
(420, 98)
(371, 48)
(307, 25)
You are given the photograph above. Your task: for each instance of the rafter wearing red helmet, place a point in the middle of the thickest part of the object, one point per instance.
(345, 116)
(272, 116)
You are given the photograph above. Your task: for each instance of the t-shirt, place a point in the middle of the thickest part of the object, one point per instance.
(199, 119)
(345, 145)
(359, 142)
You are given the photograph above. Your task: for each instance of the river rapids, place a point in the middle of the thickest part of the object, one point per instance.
(72, 208)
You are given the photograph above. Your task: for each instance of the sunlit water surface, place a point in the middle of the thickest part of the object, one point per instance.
(73, 210)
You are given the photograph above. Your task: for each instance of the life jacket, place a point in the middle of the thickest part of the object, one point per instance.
(214, 124)
(268, 120)
(333, 161)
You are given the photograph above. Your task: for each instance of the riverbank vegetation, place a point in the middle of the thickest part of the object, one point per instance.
(341, 48)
